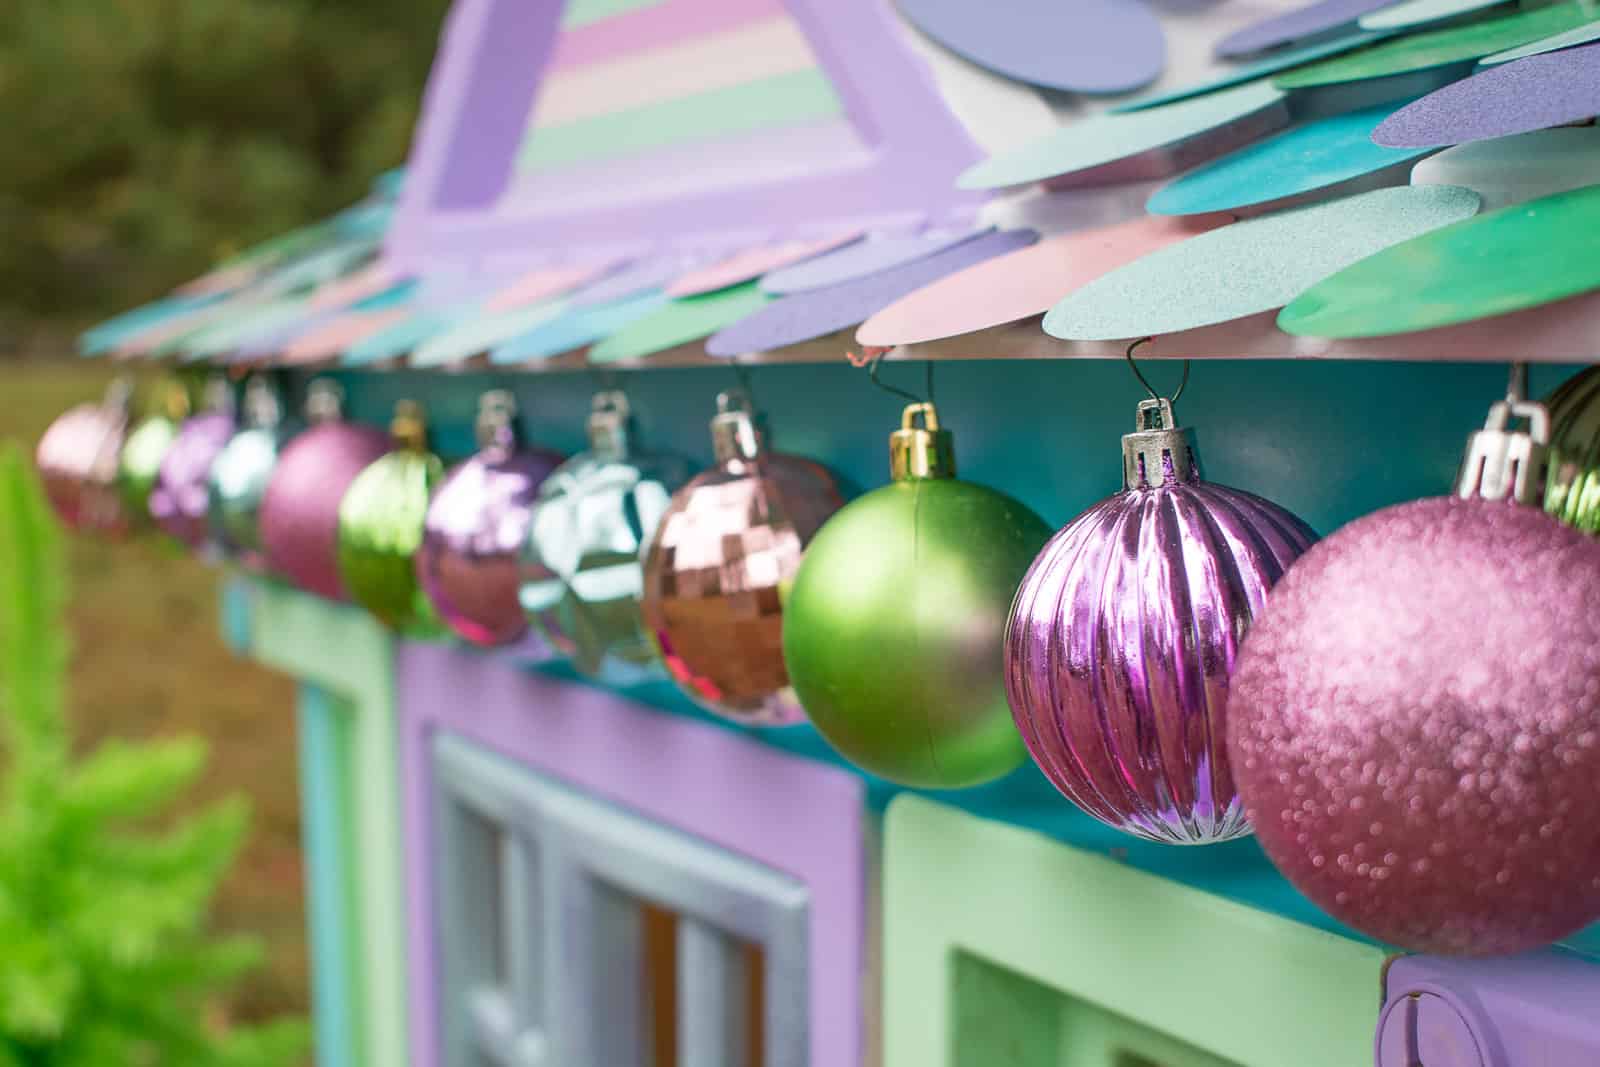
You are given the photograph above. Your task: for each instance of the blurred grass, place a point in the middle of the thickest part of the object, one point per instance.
(148, 661)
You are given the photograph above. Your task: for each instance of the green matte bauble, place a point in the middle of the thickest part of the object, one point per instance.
(380, 528)
(894, 626)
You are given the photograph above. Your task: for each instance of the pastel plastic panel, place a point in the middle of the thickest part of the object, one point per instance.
(1535, 1010)
(999, 938)
(686, 791)
(350, 743)
(542, 930)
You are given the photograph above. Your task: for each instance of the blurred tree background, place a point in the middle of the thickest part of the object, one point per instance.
(145, 139)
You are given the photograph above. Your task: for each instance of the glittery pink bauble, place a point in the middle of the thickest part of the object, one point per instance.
(729, 544)
(1120, 645)
(300, 509)
(181, 495)
(472, 541)
(77, 461)
(1415, 726)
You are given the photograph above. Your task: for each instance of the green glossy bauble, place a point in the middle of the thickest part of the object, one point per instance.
(1572, 491)
(380, 530)
(894, 626)
(140, 463)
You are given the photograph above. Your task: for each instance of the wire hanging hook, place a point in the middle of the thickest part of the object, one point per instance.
(1182, 385)
(741, 374)
(1517, 383)
(894, 390)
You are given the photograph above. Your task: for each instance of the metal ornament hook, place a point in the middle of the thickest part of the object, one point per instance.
(876, 363)
(1182, 385)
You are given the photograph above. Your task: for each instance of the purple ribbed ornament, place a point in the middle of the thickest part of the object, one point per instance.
(300, 509)
(1416, 717)
(77, 461)
(180, 499)
(1124, 632)
(478, 522)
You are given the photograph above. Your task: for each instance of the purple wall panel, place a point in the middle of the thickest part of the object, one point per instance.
(710, 782)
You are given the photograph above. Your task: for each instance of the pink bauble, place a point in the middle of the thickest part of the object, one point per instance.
(477, 525)
(77, 461)
(300, 509)
(181, 495)
(1415, 726)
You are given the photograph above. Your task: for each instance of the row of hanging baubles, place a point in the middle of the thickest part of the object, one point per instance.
(1410, 722)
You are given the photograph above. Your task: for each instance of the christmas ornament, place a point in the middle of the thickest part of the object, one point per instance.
(380, 525)
(77, 461)
(1572, 489)
(1415, 721)
(476, 527)
(239, 477)
(893, 628)
(1123, 636)
(582, 573)
(300, 508)
(178, 502)
(139, 465)
(723, 554)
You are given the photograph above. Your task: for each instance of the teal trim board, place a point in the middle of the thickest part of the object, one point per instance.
(340, 650)
(322, 810)
(997, 938)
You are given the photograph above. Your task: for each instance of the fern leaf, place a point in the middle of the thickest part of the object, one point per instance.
(122, 782)
(33, 651)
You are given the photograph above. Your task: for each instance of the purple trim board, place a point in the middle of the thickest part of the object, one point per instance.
(492, 58)
(1537, 93)
(656, 765)
(819, 312)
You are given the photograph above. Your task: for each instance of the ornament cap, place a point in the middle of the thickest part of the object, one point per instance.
(261, 407)
(119, 395)
(409, 426)
(923, 451)
(1506, 464)
(175, 400)
(736, 436)
(497, 422)
(1159, 451)
(324, 401)
(218, 394)
(608, 425)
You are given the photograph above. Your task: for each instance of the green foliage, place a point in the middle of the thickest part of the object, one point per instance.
(145, 139)
(104, 958)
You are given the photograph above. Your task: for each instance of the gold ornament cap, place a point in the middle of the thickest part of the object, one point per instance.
(608, 424)
(1159, 451)
(1505, 464)
(175, 400)
(921, 451)
(409, 426)
(736, 435)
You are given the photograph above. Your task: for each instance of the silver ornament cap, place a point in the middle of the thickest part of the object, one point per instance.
(1502, 463)
(1159, 451)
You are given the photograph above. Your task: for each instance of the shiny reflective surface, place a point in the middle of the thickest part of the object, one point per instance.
(1572, 492)
(715, 577)
(583, 574)
(179, 501)
(1415, 726)
(139, 465)
(77, 459)
(1120, 647)
(238, 482)
(474, 534)
(380, 530)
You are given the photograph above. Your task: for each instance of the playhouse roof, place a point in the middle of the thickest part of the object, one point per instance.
(682, 180)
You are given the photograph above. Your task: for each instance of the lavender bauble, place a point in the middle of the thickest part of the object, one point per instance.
(77, 461)
(1123, 636)
(714, 574)
(1415, 726)
(178, 503)
(476, 526)
(300, 509)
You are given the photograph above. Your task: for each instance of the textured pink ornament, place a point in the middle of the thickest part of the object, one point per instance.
(1123, 636)
(300, 509)
(181, 496)
(477, 525)
(727, 547)
(1415, 726)
(77, 461)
